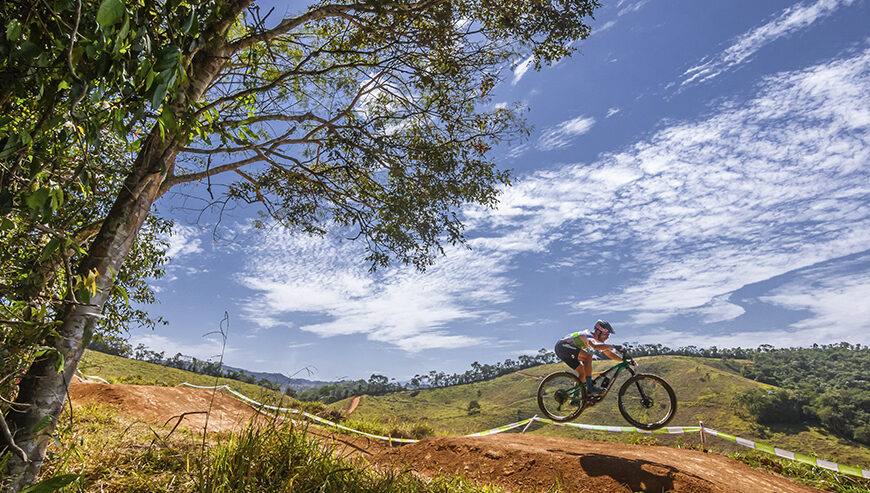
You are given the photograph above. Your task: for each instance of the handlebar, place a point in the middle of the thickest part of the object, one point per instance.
(625, 356)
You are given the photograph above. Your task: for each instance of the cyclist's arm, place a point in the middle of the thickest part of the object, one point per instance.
(610, 354)
(605, 348)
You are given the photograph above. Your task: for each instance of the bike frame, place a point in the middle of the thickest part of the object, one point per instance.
(622, 365)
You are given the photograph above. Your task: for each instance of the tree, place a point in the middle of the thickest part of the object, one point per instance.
(368, 118)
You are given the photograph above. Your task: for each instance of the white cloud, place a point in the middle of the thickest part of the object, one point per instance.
(838, 304)
(604, 27)
(703, 208)
(631, 8)
(789, 21)
(696, 211)
(562, 134)
(521, 69)
(183, 241)
(294, 274)
(517, 151)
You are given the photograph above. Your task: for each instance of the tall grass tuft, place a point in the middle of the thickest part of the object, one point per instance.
(281, 458)
(111, 453)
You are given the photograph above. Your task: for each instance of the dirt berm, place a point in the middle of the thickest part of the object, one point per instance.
(518, 462)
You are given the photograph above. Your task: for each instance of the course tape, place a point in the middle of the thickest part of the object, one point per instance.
(806, 459)
(336, 425)
(624, 429)
(833, 466)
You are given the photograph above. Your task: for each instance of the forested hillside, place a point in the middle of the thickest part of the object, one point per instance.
(826, 384)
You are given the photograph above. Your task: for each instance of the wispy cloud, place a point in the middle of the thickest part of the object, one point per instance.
(789, 21)
(604, 27)
(183, 241)
(703, 208)
(521, 69)
(694, 212)
(562, 134)
(836, 302)
(631, 8)
(295, 275)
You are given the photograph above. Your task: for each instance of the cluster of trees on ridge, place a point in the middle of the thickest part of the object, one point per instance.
(118, 347)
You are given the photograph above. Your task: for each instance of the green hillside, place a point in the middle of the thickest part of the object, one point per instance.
(705, 390)
(116, 369)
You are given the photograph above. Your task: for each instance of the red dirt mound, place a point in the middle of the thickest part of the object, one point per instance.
(518, 462)
(523, 462)
(159, 404)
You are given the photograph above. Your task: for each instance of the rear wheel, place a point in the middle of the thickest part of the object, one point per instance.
(561, 396)
(647, 401)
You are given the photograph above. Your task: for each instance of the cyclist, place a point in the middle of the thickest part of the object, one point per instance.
(570, 349)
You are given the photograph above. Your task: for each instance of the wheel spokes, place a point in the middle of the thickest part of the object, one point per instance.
(561, 397)
(647, 401)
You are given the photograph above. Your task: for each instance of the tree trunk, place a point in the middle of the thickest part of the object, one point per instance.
(43, 390)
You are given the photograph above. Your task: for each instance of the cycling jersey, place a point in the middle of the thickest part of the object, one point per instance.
(578, 339)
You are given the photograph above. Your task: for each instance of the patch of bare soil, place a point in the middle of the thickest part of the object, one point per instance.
(162, 404)
(353, 404)
(522, 462)
(518, 462)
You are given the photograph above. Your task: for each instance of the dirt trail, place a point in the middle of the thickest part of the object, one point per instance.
(353, 404)
(518, 462)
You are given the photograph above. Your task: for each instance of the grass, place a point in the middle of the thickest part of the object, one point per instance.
(111, 453)
(140, 458)
(704, 387)
(119, 370)
(814, 476)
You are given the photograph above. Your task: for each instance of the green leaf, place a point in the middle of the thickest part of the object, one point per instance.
(51, 484)
(124, 294)
(42, 424)
(70, 243)
(168, 120)
(110, 13)
(189, 22)
(58, 361)
(167, 57)
(119, 42)
(159, 94)
(13, 30)
(36, 200)
(49, 249)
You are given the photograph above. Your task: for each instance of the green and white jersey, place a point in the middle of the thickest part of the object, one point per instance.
(578, 339)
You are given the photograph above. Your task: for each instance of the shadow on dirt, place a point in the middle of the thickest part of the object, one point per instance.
(638, 475)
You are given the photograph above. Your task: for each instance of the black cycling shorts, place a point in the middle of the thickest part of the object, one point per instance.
(567, 352)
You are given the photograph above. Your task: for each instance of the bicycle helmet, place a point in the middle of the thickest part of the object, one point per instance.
(601, 324)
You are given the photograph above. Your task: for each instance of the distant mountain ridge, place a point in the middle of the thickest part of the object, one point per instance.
(298, 384)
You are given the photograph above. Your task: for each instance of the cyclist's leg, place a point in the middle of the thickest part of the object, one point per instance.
(568, 354)
(585, 359)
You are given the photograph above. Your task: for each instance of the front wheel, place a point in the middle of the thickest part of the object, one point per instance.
(647, 401)
(561, 396)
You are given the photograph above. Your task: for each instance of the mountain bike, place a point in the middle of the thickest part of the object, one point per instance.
(646, 401)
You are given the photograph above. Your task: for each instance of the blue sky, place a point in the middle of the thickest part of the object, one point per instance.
(698, 174)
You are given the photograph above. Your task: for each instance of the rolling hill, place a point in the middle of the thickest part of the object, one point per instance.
(705, 390)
